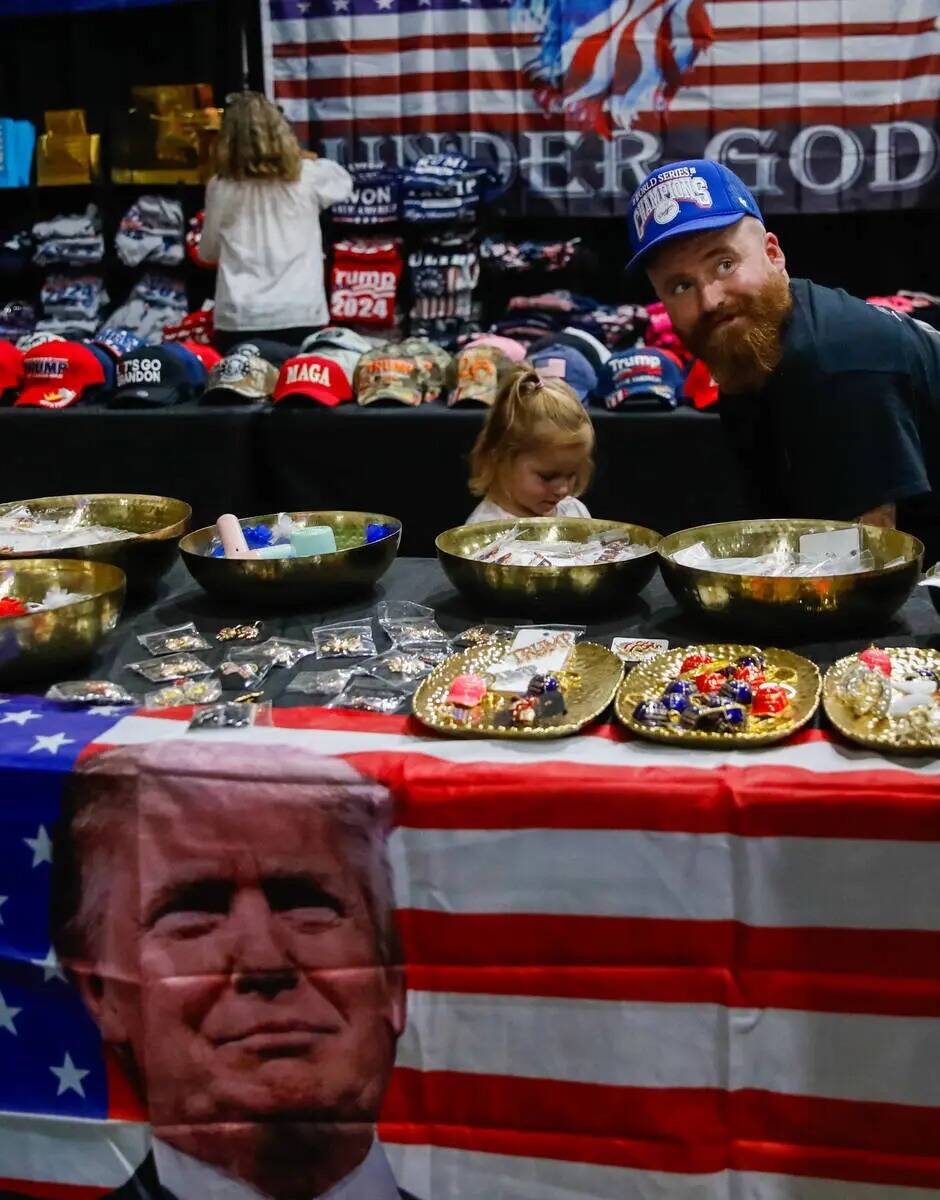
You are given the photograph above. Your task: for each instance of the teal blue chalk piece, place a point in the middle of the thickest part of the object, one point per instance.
(313, 539)
(275, 552)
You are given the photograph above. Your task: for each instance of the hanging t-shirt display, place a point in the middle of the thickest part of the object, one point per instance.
(364, 281)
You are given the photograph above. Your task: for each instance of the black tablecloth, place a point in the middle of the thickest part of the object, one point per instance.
(663, 470)
(654, 615)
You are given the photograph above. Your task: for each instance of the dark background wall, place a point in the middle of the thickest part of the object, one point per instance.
(90, 60)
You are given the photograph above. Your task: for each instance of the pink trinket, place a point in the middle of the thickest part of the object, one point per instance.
(466, 690)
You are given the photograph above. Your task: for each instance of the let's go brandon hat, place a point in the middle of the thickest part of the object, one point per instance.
(152, 377)
(323, 376)
(682, 198)
(58, 375)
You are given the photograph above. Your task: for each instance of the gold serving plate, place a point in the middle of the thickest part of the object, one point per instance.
(812, 608)
(545, 592)
(318, 579)
(885, 733)
(48, 645)
(598, 674)
(158, 521)
(647, 681)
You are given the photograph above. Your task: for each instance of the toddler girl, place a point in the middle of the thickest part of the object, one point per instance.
(534, 455)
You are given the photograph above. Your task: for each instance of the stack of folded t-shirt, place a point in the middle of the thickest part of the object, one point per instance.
(72, 306)
(154, 302)
(75, 239)
(444, 274)
(375, 198)
(151, 231)
(364, 281)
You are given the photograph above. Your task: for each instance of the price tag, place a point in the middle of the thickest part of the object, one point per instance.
(835, 543)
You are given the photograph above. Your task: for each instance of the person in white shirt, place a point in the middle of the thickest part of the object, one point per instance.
(262, 226)
(226, 913)
(535, 453)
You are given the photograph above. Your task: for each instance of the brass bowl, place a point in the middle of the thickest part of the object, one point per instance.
(319, 579)
(862, 603)
(48, 645)
(158, 521)
(545, 591)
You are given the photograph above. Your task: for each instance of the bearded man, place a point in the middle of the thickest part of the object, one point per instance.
(830, 403)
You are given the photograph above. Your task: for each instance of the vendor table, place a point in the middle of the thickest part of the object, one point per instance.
(410, 463)
(634, 971)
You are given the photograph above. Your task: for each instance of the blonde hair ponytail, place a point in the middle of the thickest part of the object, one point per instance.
(528, 412)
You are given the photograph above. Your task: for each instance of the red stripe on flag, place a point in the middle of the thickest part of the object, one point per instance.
(51, 1191)
(400, 45)
(758, 801)
(319, 87)
(847, 29)
(846, 116)
(671, 1130)
(732, 987)
(843, 71)
(666, 1125)
(540, 939)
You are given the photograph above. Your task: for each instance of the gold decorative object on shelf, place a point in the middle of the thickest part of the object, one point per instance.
(857, 700)
(589, 681)
(167, 135)
(67, 154)
(648, 681)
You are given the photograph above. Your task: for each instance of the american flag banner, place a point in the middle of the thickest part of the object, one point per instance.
(819, 105)
(633, 971)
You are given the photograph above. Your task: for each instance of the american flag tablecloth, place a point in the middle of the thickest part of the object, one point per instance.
(634, 971)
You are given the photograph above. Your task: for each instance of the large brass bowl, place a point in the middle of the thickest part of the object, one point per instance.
(318, 580)
(545, 592)
(158, 521)
(49, 645)
(862, 603)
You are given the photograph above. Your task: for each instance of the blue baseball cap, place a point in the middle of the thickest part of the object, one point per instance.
(685, 197)
(642, 379)
(559, 361)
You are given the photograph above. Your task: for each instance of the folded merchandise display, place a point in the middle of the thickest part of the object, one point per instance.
(72, 306)
(444, 273)
(375, 198)
(151, 231)
(74, 239)
(364, 280)
(155, 301)
(445, 188)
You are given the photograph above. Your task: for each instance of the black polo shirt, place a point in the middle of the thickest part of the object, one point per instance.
(849, 420)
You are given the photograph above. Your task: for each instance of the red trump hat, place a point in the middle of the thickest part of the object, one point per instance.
(58, 374)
